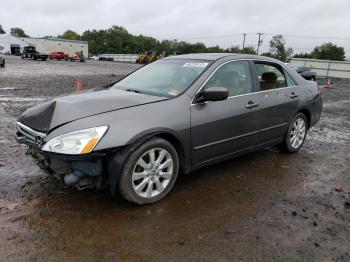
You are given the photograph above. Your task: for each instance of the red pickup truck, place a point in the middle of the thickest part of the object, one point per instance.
(58, 56)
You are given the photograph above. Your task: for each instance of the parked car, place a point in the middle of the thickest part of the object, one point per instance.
(75, 57)
(305, 72)
(2, 61)
(94, 57)
(58, 56)
(104, 58)
(175, 115)
(32, 53)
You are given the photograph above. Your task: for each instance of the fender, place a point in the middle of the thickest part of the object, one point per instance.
(118, 160)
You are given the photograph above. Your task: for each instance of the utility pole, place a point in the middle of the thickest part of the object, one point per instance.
(257, 49)
(244, 35)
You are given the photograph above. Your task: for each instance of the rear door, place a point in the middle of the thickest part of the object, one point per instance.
(279, 99)
(221, 128)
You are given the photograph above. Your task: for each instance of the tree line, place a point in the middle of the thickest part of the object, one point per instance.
(118, 40)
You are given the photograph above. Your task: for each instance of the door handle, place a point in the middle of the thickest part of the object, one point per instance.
(293, 95)
(251, 104)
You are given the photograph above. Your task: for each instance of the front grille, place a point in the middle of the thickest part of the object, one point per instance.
(27, 135)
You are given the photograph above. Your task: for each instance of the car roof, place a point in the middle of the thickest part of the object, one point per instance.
(217, 56)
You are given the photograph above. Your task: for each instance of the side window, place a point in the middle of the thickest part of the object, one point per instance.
(290, 81)
(235, 76)
(270, 76)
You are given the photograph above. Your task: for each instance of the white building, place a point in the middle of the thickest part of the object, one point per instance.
(14, 45)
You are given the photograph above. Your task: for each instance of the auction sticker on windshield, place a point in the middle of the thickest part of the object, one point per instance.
(201, 65)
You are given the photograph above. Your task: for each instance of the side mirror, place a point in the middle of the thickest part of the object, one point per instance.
(214, 94)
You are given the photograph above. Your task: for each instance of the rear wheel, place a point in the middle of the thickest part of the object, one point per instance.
(3, 63)
(150, 172)
(296, 133)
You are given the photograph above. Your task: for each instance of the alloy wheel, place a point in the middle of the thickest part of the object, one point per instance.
(152, 172)
(297, 133)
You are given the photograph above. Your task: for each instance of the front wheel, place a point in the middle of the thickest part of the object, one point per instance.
(150, 172)
(296, 133)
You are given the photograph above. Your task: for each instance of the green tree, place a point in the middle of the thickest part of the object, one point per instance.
(236, 49)
(117, 39)
(268, 54)
(249, 50)
(278, 48)
(69, 35)
(213, 49)
(303, 55)
(233, 49)
(2, 31)
(18, 32)
(329, 51)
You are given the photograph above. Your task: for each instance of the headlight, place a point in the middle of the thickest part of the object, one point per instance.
(75, 143)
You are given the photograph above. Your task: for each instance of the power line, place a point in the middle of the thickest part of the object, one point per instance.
(312, 37)
(303, 48)
(211, 37)
(270, 34)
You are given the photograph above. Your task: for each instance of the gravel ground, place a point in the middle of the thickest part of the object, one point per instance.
(265, 206)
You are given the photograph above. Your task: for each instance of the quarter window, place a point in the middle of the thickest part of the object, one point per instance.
(290, 81)
(235, 76)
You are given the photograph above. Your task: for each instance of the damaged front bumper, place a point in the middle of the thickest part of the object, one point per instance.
(83, 171)
(27, 135)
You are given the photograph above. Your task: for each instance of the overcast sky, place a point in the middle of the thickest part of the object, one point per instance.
(196, 20)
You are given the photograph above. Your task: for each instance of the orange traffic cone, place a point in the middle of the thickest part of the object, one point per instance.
(79, 84)
(328, 84)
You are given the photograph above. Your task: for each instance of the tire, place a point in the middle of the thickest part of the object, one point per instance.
(3, 63)
(290, 144)
(145, 186)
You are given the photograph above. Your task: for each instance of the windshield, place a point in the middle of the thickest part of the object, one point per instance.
(167, 78)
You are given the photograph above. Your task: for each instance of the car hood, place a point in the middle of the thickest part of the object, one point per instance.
(62, 110)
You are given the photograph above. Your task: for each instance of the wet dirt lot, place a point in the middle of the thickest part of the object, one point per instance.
(260, 207)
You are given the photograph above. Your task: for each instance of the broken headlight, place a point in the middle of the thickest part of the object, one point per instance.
(77, 142)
